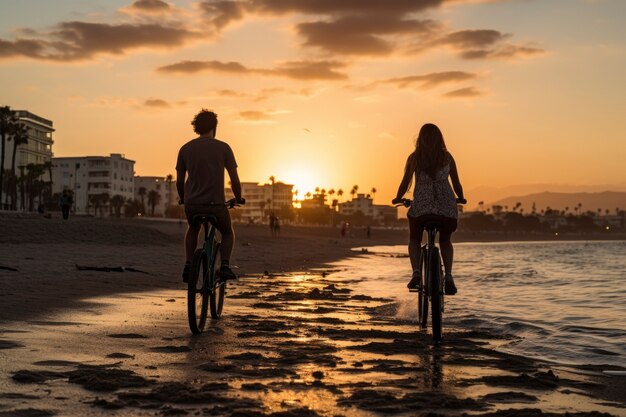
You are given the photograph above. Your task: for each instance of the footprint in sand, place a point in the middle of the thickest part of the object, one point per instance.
(171, 349)
(128, 336)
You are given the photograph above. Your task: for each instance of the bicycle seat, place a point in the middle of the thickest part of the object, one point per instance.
(204, 219)
(433, 226)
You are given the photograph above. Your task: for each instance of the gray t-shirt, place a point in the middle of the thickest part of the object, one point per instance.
(204, 160)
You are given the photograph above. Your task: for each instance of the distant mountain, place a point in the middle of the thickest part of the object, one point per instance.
(489, 194)
(558, 201)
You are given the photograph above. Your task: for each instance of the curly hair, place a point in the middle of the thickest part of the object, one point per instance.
(204, 122)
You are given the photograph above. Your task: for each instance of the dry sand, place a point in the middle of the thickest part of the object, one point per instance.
(296, 338)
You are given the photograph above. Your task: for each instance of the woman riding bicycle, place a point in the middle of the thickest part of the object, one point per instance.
(433, 199)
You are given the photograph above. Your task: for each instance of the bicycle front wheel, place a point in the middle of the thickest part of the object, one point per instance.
(218, 286)
(436, 294)
(422, 295)
(197, 292)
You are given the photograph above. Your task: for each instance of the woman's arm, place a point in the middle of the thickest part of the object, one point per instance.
(409, 169)
(454, 176)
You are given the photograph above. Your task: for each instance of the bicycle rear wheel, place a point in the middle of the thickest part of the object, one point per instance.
(436, 294)
(422, 295)
(218, 287)
(197, 292)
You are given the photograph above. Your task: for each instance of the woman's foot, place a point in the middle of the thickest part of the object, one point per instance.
(450, 288)
(415, 281)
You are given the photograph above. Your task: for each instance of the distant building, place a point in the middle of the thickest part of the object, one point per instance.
(316, 201)
(166, 190)
(87, 176)
(262, 199)
(365, 205)
(38, 150)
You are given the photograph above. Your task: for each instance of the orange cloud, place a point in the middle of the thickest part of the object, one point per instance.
(300, 70)
(464, 93)
(430, 80)
(74, 41)
(156, 102)
(150, 6)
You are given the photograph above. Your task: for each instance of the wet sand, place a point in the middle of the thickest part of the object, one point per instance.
(297, 338)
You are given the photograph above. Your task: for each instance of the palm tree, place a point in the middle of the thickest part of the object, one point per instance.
(354, 190)
(7, 120)
(142, 193)
(339, 193)
(117, 202)
(154, 198)
(97, 201)
(104, 199)
(169, 179)
(33, 184)
(20, 137)
(272, 181)
(373, 193)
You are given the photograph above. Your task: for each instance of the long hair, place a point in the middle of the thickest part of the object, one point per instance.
(430, 150)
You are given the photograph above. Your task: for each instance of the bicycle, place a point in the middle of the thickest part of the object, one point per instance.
(205, 288)
(431, 288)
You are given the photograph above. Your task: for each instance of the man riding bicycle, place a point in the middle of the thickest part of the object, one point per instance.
(203, 160)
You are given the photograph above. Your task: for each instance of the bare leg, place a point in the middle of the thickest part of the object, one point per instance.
(415, 243)
(191, 241)
(414, 254)
(228, 241)
(447, 253)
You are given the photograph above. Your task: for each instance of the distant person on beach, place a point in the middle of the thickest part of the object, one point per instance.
(276, 226)
(203, 160)
(66, 204)
(433, 199)
(272, 221)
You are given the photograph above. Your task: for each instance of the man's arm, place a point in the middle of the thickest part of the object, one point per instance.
(234, 182)
(180, 184)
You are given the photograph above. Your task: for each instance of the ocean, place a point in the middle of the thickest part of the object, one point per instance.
(559, 301)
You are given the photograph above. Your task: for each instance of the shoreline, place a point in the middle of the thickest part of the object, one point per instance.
(301, 340)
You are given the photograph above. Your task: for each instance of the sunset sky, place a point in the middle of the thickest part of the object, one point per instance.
(331, 93)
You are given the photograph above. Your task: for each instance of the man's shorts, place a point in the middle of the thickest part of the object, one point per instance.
(447, 226)
(220, 213)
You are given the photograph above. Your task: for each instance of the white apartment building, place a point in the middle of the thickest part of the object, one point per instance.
(262, 199)
(87, 176)
(165, 189)
(366, 206)
(38, 149)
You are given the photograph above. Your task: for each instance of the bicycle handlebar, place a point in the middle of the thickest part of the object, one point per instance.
(230, 203)
(407, 203)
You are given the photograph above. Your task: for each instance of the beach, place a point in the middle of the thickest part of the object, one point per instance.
(299, 336)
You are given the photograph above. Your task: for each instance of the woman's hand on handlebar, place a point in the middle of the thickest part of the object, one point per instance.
(461, 201)
(401, 202)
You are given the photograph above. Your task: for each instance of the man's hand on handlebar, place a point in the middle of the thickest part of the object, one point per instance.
(241, 201)
(461, 201)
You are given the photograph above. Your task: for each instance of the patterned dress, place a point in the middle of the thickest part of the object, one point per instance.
(434, 196)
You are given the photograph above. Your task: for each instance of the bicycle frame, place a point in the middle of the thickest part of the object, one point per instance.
(209, 249)
(431, 292)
